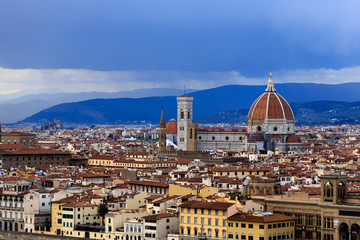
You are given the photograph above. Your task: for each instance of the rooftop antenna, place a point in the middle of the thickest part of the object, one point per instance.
(184, 90)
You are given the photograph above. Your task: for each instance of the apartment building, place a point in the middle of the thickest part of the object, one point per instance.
(204, 219)
(156, 227)
(260, 226)
(12, 204)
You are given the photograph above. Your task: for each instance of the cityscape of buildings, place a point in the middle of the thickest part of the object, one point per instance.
(268, 180)
(162, 120)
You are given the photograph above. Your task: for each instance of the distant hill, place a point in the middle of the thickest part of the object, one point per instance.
(207, 103)
(21, 107)
(310, 113)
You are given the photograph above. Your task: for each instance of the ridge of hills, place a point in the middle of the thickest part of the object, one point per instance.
(311, 104)
(18, 108)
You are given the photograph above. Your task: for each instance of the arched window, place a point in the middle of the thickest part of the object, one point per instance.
(328, 190)
(223, 233)
(341, 190)
(216, 233)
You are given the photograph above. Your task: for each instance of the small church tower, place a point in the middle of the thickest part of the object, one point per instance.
(192, 137)
(162, 134)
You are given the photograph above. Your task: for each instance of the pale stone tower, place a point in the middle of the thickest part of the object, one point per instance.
(193, 137)
(333, 189)
(184, 118)
(162, 134)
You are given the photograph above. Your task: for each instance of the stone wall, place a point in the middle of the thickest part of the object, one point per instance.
(31, 236)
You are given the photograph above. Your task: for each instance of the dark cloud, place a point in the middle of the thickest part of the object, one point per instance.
(251, 37)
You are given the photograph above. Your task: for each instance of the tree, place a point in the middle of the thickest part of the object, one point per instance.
(102, 210)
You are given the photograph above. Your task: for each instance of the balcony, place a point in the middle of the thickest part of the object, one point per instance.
(11, 219)
(11, 208)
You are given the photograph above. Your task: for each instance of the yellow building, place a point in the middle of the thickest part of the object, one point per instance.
(203, 191)
(78, 214)
(239, 172)
(56, 214)
(72, 211)
(101, 160)
(260, 226)
(56, 218)
(204, 219)
(132, 164)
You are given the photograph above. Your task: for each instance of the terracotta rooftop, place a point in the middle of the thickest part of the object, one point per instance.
(249, 217)
(206, 205)
(159, 216)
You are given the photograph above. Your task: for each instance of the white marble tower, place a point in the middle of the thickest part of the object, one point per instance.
(184, 117)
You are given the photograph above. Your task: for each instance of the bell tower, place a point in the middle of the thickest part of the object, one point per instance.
(184, 118)
(162, 133)
(333, 189)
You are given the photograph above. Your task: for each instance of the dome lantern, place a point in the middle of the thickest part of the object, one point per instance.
(270, 85)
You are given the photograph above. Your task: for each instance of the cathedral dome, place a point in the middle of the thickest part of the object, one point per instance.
(271, 109)
(270, 105)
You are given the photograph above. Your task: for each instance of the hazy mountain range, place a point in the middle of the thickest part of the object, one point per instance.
(18, 108)
(311, 103)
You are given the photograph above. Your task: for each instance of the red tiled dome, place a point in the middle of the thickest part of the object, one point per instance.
(270, 105)
(171, 127)
(293, 139)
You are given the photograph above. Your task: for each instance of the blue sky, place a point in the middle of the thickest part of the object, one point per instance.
(120, 45)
